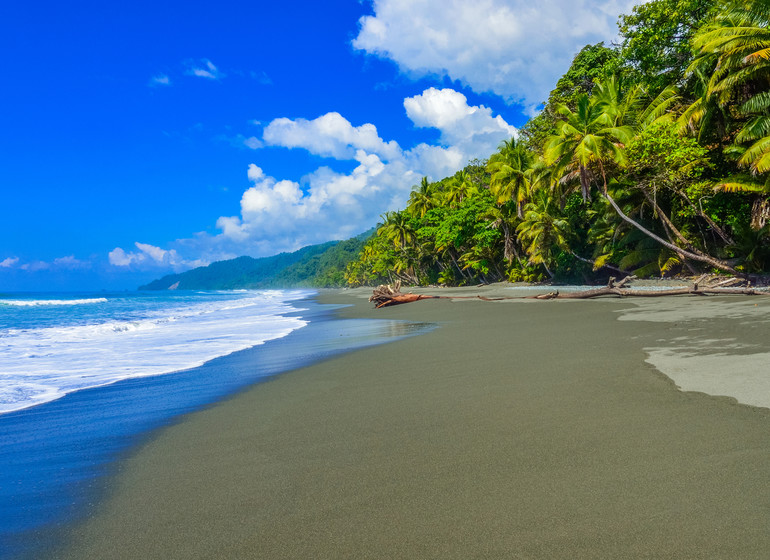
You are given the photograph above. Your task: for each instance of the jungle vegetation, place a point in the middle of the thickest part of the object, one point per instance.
(650, 157)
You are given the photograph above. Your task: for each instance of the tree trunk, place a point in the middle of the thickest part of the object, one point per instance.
(584, 184)
(760, 212)
(712, 224)
(508, 250)
(716, 263)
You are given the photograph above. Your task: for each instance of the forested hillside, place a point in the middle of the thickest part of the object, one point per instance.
(313, 266)
(650, 157)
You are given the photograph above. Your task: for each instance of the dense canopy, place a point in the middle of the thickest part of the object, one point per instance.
(651, 157)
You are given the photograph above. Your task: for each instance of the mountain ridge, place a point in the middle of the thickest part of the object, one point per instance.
(321, 265)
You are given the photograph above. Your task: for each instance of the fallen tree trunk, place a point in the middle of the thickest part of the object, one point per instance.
(403, 298)
(699, 288)
(384, 296)
(628, 292)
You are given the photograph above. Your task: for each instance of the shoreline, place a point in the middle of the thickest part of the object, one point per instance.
(58, 458)
(516, 429)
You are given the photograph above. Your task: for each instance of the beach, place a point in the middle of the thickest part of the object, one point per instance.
(516, 429)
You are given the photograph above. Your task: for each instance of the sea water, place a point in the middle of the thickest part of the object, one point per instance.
(54, 344)
(83, 377)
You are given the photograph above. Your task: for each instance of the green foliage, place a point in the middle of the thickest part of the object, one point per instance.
(320, 266)
(591, 64)
(661, 157)
(606, 178)
(324, 270)
(240, 273)
(656, 39)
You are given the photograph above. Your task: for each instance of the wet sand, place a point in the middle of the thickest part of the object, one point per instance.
(518, 429)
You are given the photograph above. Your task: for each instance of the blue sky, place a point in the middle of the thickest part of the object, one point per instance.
(143, 138)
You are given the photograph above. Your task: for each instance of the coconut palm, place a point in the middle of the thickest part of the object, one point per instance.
(458, 189)
(421, 199)
(587, 139)
(397, 229)
(543, 230)
(736, 44)
(509, 169)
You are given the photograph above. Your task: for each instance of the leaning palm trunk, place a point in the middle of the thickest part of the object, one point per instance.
(716, 263)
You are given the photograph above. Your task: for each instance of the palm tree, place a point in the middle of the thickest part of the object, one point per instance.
(458, 189)
(596, 134)
(508, 168)
(502, 217)
(543, 230)
(421, 199)
(736, 44)
(587, 138)
(397, 229)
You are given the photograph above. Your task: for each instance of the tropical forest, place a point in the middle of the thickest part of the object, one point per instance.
(651, 157)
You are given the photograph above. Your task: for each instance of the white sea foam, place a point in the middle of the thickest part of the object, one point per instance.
(38, 302)
(41, 364)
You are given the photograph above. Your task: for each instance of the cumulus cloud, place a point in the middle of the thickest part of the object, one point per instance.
(277, 214)
(9, 262)
(469, 128)
(280, 214)
(252, 142)
(150, 256)
(514, 48)
(204, 69)
(330, 135)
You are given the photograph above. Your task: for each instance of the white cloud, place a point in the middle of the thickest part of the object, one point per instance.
(278, 215)
(62, 263)
(160, 80)
(514, 48)
(71, 263)
(470, 128)
(252, 142)
(205, 69)
(35, 266)
(150, 256)
(330, 135)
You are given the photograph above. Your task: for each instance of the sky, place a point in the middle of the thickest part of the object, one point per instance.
(143, 138)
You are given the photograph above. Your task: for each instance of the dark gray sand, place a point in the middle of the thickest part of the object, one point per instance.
(528, 429)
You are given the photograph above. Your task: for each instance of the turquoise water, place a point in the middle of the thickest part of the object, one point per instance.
(105, 365)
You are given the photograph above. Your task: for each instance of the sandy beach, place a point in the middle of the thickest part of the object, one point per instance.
(516, 429)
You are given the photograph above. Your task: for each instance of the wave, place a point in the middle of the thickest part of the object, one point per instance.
(42, 364)
(39, 302)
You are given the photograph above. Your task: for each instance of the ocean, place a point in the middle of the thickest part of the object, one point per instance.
(85, 377)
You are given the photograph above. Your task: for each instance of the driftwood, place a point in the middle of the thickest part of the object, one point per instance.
(703, 286)
(384, 296)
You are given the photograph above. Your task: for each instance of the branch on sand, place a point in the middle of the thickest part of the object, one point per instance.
(384, 296)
